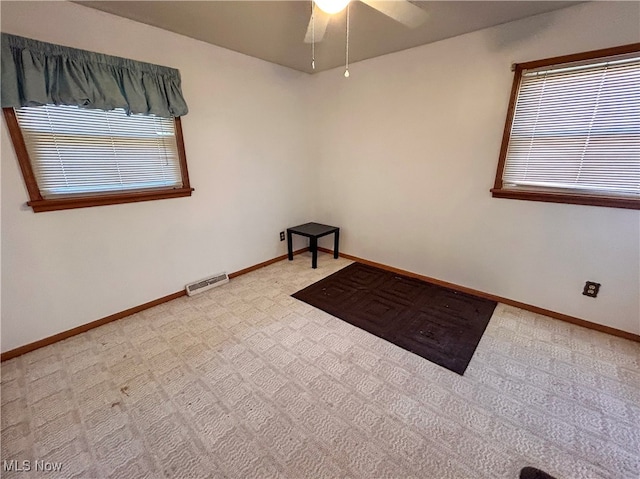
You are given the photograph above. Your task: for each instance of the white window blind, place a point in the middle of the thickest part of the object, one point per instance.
(84, 151)
(576, 128)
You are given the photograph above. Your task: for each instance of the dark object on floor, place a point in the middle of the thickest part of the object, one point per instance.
(439, 324)
(533, 473)
(313, 231)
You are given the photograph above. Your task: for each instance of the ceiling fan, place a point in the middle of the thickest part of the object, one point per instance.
(401, 11)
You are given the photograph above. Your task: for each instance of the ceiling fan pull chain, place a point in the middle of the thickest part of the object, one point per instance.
(346, 69)
(313, 35)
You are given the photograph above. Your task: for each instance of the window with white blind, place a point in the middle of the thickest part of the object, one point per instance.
(73, 157)
(573, 130)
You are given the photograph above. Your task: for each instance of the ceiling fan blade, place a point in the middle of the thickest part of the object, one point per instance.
(400, 10)
(321, 22)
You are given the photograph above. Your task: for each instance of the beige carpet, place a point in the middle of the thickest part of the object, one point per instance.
(245, 381)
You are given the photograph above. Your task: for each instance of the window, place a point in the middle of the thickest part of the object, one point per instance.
(573, 130)
(74, 157)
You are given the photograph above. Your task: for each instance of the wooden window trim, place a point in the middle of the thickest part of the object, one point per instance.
(498, 191)
(40, 204)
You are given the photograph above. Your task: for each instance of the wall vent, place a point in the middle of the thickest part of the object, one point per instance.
(207, 283)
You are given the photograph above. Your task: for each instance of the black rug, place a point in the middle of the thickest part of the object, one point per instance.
(439, 324)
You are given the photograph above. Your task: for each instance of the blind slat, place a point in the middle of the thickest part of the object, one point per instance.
(75, 150)
(577, 128)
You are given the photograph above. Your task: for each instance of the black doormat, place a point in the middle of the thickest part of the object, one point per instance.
(439, 324)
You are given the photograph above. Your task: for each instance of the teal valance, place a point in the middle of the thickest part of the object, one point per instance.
(36, 73)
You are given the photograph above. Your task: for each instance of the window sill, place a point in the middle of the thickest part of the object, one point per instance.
(40, 206)
(568, 198)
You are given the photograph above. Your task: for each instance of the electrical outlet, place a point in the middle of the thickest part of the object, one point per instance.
(281, 235)
(591, 289)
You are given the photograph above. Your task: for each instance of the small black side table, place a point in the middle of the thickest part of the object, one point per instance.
(313, 231)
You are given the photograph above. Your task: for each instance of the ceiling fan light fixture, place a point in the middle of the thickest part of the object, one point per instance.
(332, 6)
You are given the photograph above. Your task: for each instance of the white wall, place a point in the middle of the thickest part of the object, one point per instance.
(248, 162)
(414, 142)
(401, 156)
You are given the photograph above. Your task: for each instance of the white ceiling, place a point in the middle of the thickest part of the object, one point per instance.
(274, 30)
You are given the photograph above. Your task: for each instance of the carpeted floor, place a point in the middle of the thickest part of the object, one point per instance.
(244, 381)
(439, 324)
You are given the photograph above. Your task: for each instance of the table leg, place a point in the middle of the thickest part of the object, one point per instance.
(336, 241)
(290, 245)
(314, 252)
